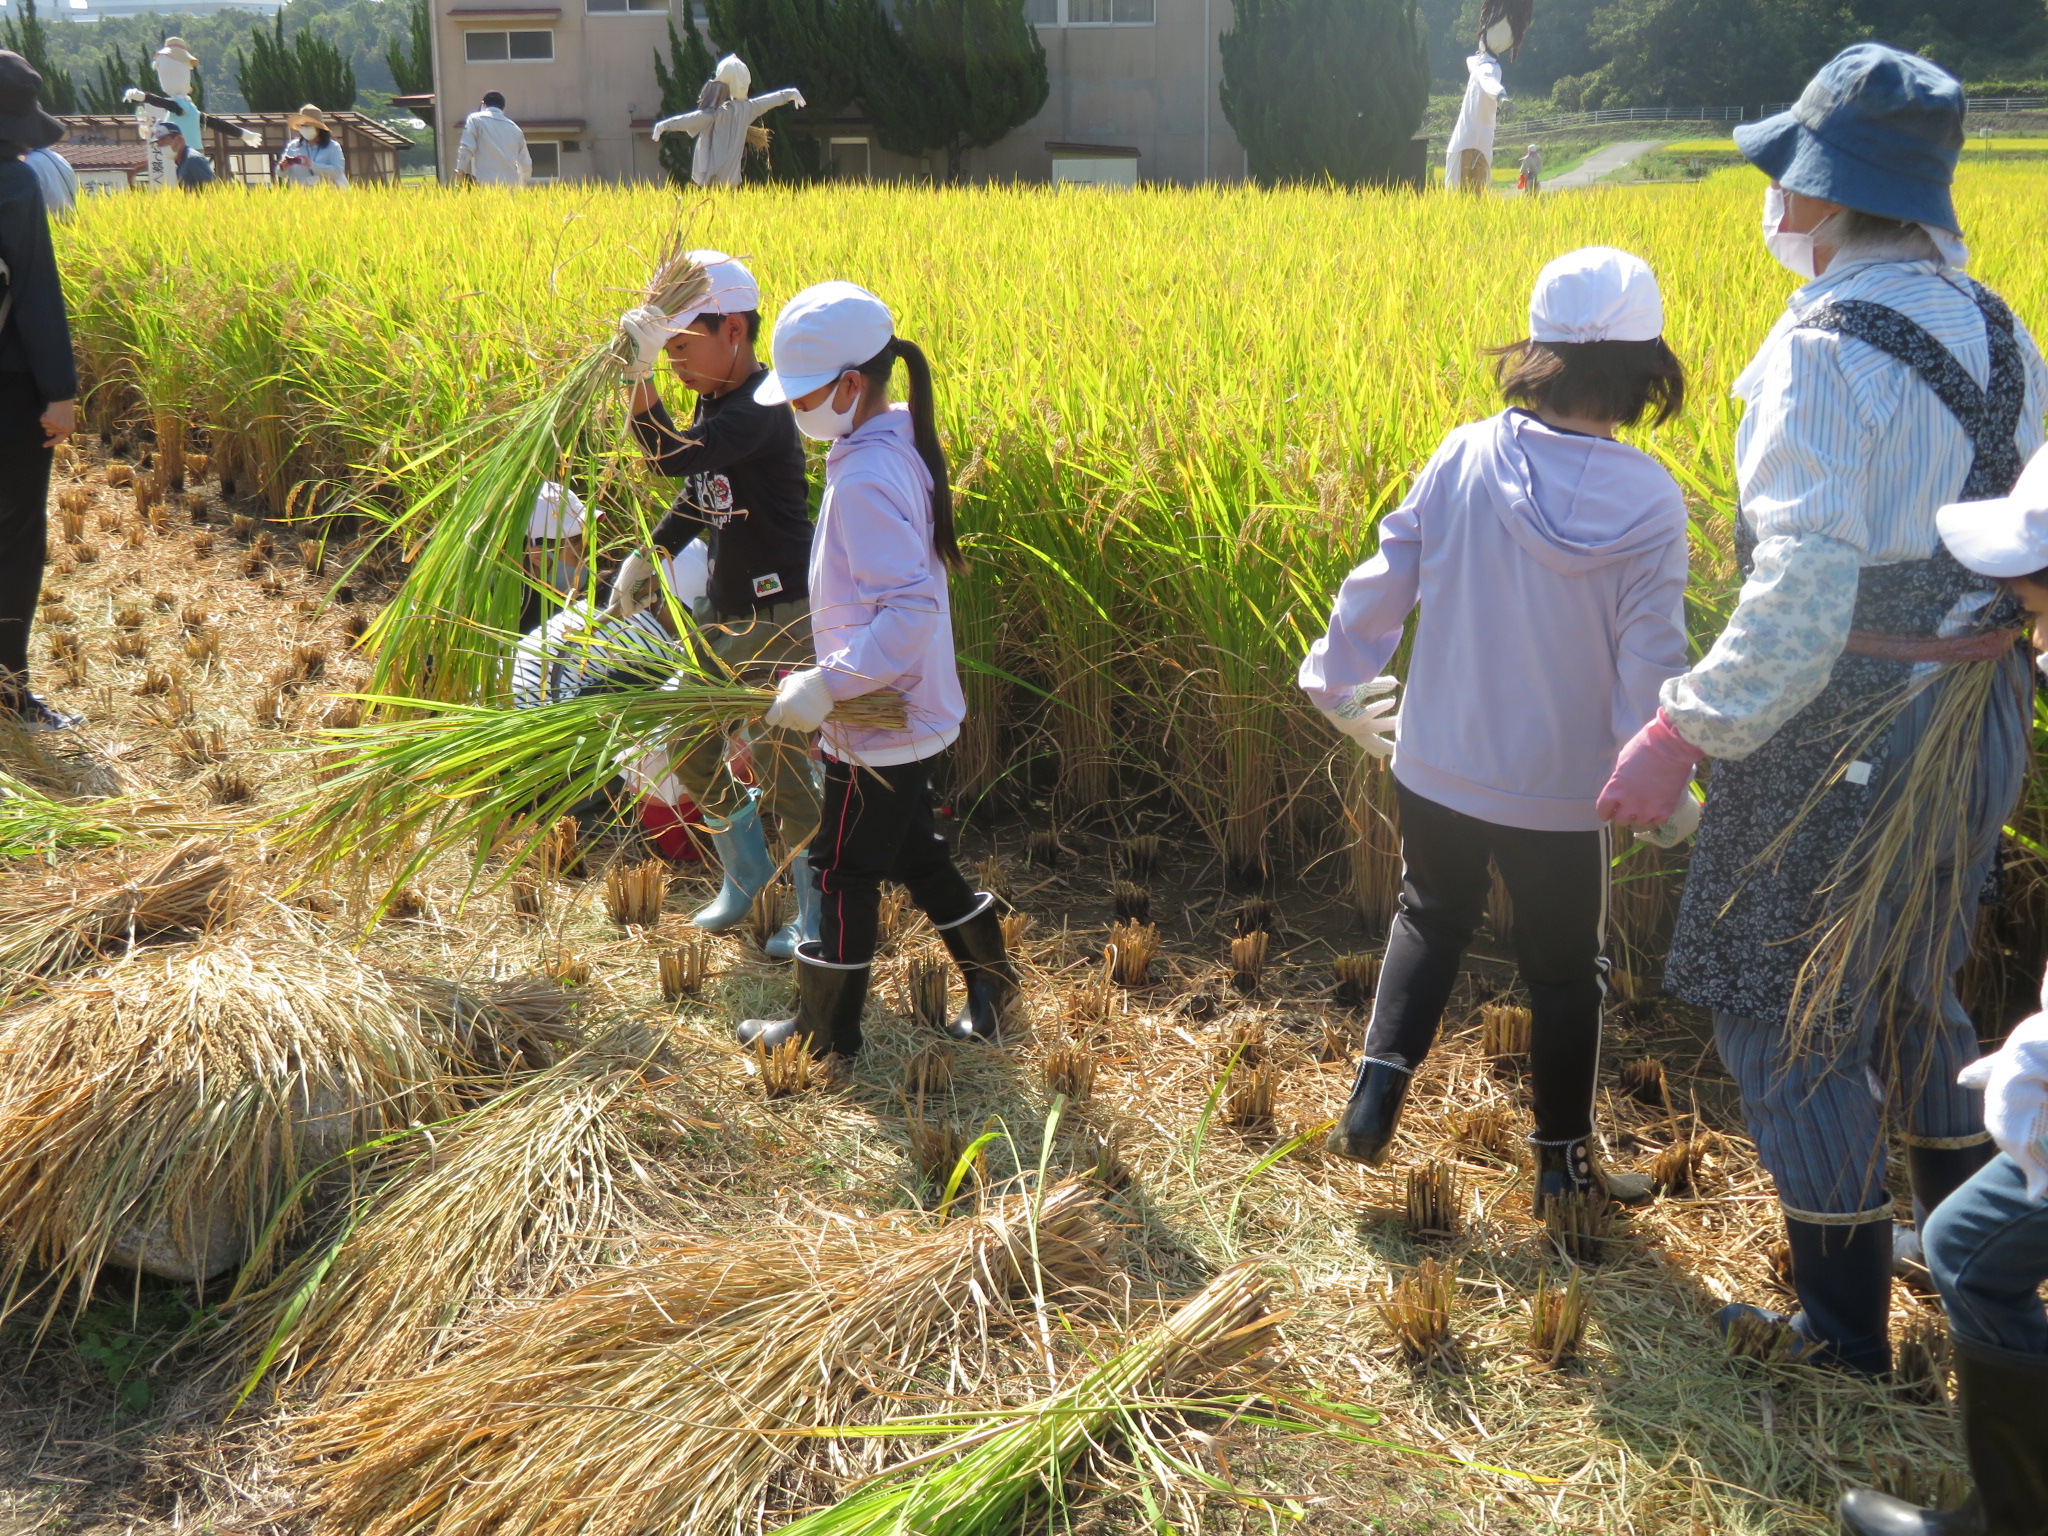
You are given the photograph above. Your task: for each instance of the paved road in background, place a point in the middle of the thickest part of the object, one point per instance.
(1599, 163)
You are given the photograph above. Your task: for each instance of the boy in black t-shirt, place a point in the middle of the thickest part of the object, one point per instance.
(744, 492)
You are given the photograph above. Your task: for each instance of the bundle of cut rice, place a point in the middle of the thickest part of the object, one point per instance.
(667, 1396)
(163, 1115)
(56, 926)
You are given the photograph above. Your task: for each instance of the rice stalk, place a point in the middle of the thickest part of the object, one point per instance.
(996, 1475)
(1485, 1129)
(1247, 959)
(1069, 1072)
(1132, 948)
(1417, 1312)
(1504, 1035)
(929, 1073)
(925, 980)
(1131, 903)
(1557, 1318)
(1584, 1228)
(523, 1190)
(672, 1395)
(1431, 1206)
(1249, 1103)
(77, 922)
(169, 1112)
(683, 970)
(633, 898)
(1644, 1080)
(32, 824)
(1358, 976)
(787, 1069)
(1141, 856)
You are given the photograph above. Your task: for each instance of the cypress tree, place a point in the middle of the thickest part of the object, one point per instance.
(411, 57)
(815, 45)
(101, 90)
(1319, 89)
(29, 38)
(276, 76)
(953, 75)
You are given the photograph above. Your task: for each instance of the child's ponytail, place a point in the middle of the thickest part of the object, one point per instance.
(924, 424)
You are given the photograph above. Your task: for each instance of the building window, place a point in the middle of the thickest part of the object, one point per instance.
(851, 160)
(547, 159)
(512, 47)
(1095, 170)
(601, 7)
(1091, 13)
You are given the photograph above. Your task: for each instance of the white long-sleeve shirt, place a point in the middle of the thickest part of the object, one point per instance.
(881, 615)
(721, 135)
(325, 165)
(1476, 114)
(56, 180)
(493, 150)
(1842, 458)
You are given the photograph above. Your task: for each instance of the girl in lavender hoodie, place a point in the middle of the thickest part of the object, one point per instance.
(880, 618)
(1549, 563)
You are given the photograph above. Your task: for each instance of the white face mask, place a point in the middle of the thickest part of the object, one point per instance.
(2041, 661)
(821, 422)
(1794, 251)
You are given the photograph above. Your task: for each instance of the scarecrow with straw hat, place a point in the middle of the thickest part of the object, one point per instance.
(723, 124)
(311, 157)
(175, 65)
(1866, 708)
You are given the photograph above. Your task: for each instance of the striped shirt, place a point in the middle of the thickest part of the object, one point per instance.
(570, 656)
(1843, 456)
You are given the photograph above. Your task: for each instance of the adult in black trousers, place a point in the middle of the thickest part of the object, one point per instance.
(38, 383)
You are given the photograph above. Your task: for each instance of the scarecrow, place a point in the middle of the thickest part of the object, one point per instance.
(1866, 707)
(723, 124)
(174, 64)
(1468, 160)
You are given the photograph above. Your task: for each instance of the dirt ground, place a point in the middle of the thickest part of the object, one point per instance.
(116, 1419)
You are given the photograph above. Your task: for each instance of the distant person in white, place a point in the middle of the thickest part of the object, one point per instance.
(493, 148)
(59, 183)
(311, 157)
(719, 125)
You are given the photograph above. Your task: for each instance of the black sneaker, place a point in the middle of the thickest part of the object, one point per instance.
(36, 717)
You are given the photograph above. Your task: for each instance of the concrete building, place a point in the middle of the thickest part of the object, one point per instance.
(1133, 99)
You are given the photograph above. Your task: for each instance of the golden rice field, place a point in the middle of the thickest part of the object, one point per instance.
(586, 1267)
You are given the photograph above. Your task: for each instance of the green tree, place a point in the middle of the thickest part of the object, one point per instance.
(953, 75)
(1686, 53)
(276, 76)
(1325, 88)
(31, 39)
(411, 55)
(111, 74)
(818, 46)
(681, 78)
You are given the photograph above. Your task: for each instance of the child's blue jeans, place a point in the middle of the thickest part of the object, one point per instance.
(1987, 1245)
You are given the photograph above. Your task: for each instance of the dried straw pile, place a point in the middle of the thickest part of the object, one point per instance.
(164, 1114)
(673, 1395)
(59, 926)
(522, 1189)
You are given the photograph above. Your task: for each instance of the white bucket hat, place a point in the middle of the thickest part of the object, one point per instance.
(2004, 537)
(822, 332)
(1596, 294)
(731, 291)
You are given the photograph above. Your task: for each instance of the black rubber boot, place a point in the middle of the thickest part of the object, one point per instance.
(828, 1004)
(1366, 1127)
(976, 945)
(2005, 1438)
(1937, 1173)
(1567, 1168)
(1843, 1278)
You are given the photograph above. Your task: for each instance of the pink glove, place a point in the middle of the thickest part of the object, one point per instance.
(1649, 776)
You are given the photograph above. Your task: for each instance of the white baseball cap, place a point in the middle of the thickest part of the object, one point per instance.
(1596, 294)
(557, 513)
(2004, 537)
(822, 332)
(732, 290)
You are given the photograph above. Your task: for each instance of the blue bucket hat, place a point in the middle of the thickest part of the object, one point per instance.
(1876, 130)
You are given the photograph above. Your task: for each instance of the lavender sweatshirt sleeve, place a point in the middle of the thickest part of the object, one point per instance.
(1650, 643)
(1372, 606)
(894, 582)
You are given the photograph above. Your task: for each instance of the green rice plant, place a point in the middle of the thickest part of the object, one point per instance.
(32, 825)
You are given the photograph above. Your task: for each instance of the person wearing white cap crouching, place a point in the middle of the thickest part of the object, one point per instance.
(1549, 562)
(1987, 1243)
(880, 618)
(745, 495)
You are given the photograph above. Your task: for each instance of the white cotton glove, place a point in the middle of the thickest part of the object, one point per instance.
(132, 95)
(667, 125)
(251, 139)
(1683, 821)
(2015, 1084)
(636, 588)
(1368, 718)
(799, 103)
(647, 329)
(801, 703)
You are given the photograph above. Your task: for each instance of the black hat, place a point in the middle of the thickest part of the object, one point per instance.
(22, 120)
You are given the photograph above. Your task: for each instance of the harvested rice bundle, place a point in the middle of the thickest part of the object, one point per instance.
(995, 1478)
(32, 824)
(405, 791)
(521, 1188)
(165, 1114)
(661, 1397)
(519, 1024)
(44, 931)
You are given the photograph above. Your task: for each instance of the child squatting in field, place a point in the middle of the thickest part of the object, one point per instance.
(1549, 562)
(880, 618)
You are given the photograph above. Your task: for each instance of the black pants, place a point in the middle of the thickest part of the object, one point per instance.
(1558, 884)
(24, 526)
(878, 826)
